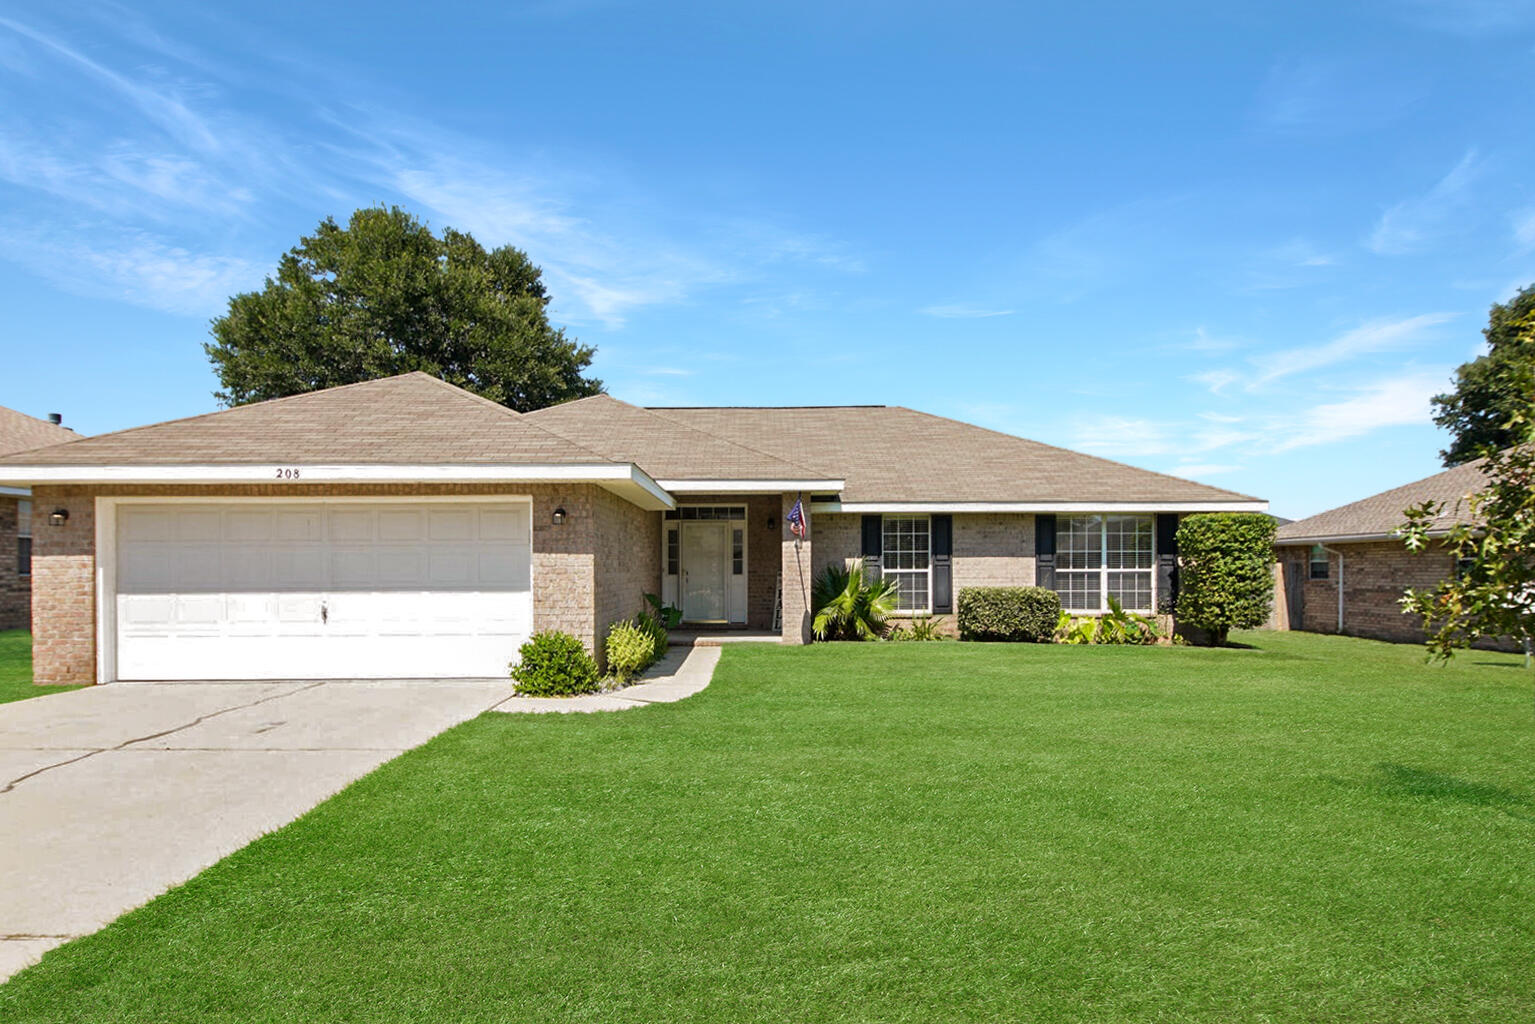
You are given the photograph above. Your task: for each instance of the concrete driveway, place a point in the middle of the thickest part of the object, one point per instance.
(113, 794)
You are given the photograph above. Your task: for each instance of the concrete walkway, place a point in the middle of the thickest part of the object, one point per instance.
(682, 672)
(111, 795)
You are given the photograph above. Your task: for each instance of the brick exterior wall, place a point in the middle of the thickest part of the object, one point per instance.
(64, 588)
(628, 542)
(571, 591)
(992, 549)
(1375, 574)
(15, 589)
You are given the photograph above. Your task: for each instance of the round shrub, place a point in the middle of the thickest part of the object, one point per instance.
(1028, 614)
(631, 649)
(554, 664)
(1225, 571)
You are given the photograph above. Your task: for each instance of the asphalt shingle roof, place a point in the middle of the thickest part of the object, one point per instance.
(1381, 514)
(895, 454)
(409, 419)
(884, 453)
(20, 432)
(663, 447)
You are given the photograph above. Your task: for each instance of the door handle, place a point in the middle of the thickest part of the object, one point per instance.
(324, 613)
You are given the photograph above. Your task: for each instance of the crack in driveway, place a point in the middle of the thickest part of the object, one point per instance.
(156, 735)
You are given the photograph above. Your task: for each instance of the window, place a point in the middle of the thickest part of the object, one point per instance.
(673, 551)
(1320, 564)
(906, 559)
(737, 552)
(716, 512)
(24, 538)
(1099, 557)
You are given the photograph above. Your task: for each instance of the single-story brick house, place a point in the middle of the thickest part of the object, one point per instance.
(1345, 570)
(405, 528)
(18, 433)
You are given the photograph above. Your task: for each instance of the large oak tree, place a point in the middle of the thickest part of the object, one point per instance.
(1489, 410)
(383, 296)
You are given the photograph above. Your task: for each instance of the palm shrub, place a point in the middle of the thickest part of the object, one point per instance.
(554, 664)
(847, 605)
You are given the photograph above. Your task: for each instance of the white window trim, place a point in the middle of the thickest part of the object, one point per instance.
(926, 609)
(1103, 570)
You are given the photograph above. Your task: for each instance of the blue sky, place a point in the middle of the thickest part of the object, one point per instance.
(1239, 244)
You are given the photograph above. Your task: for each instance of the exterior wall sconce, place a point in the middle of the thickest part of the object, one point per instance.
(559, 516)
(772, 522)
(58, 517)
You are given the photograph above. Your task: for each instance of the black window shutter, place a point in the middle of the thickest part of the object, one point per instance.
(1044, 551)
(873, 545)
(1167, 561)
(943, 564)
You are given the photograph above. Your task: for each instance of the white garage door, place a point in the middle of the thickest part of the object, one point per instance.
(322, 591)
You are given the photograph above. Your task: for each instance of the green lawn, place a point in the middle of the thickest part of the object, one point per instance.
(16, 668)
(1318, 829)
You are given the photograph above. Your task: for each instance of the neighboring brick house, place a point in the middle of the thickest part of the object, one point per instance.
(1345, 570)
(406, 528)
(18, 433)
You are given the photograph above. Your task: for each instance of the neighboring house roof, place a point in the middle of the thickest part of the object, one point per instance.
(891, 454)
(670, 451)
(20, 432)
(415, 427)
(1379, 516)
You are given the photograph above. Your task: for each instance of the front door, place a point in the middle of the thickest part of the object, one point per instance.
(705, 547)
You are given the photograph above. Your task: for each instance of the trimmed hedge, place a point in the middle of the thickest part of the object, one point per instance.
(1028, 614)
(1226, 577)
(555, 664)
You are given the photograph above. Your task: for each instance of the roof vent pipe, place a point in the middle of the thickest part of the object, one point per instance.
(56, 418)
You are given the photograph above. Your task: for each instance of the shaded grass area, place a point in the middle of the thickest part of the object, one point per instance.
(1314, 829)
(16, 668)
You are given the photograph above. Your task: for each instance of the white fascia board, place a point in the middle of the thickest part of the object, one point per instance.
(1042, 506)
(622, 477)
(18, 492)
(748, 486)
(1347, 538)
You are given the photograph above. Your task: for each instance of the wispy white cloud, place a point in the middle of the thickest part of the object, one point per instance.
(1374, 336)
(1412, 223)
(963, 312)
(1401, 400)
(1524, 230)
(142, 270)
(1216, 380)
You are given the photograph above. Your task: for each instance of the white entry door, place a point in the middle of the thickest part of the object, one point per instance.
(705, 555)
(255, 590)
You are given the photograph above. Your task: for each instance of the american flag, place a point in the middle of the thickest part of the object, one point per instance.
(796, 519)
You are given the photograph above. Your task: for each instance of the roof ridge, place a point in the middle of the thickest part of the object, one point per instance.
(1073, 451)
(729, 441)
(1475, 465)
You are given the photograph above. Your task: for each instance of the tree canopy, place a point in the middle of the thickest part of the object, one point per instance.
(1489, 408)
(384, 296)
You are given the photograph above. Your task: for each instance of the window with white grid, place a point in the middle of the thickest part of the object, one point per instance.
(1098, 557)
(907, 558)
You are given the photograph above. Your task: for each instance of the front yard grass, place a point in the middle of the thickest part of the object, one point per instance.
(16, 668)
(1313, 829)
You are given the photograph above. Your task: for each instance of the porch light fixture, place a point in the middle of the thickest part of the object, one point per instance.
(559, 516)
(59, 516)
(772, 522)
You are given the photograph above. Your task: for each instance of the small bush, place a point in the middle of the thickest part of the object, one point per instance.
(1008, 613)
(1226, 578)
(920, 629)
(631, 649)
(554, 664)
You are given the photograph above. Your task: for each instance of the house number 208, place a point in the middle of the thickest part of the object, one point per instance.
(287, 474)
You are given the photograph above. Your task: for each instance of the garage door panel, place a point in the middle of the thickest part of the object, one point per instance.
(310, 591)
